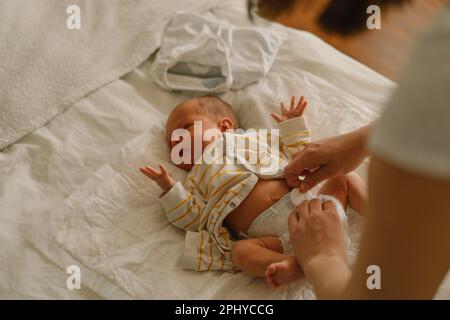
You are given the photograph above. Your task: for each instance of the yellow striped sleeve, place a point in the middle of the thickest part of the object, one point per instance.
(301, 133)
(182, 216)
(200, 253)
(211, 256)
(180, 204)
(294, 134)
(182, 208)
(193, 221)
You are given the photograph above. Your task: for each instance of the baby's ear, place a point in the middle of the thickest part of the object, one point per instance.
(226, 124)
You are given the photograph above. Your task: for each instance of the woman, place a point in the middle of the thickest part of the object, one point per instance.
(407, 224)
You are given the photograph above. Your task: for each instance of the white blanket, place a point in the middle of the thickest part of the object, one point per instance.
(45, 67)
(115, 230)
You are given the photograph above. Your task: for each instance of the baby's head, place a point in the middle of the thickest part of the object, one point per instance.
(214, 114)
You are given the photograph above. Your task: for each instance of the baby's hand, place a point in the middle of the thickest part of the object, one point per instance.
(293, 112)
(163, 178)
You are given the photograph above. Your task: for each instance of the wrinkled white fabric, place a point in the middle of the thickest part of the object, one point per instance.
(46, 67)
(204, 54)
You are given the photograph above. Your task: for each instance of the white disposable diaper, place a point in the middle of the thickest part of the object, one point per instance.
(274, 221)
(203, 54)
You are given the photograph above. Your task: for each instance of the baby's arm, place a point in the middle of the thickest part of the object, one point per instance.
(182, 209)
(294, 131)
(162, 178)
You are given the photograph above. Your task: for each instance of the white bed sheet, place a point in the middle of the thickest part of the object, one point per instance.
(39, 172)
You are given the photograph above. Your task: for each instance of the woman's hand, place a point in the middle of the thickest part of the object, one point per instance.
(293, 112)
(326, 159)
(162, 178)
(315, 230)
(319, 246)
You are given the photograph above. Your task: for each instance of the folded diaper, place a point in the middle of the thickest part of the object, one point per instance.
(297, 197)
(274, 221)
(204, 54)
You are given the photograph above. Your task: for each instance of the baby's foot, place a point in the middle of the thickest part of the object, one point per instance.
(283, 272)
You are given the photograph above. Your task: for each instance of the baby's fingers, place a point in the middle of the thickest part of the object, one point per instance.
(292, 104)
(150, 172)
(300, 102)
(284, 111)
(277, 117)
(146, 173)
(301, 106)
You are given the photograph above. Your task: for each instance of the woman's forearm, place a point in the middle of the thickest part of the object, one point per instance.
(329, 275)
(361, 136)
(406, 235)
(328, 158)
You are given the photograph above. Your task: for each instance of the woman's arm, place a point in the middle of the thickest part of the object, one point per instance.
(328, 158)
(406, 233)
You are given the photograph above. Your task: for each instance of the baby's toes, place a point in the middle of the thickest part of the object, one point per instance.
(270, 276)
(270, 282)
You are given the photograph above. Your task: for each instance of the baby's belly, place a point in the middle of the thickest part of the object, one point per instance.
(263, 196)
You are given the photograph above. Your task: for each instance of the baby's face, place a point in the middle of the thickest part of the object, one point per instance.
(184, 116)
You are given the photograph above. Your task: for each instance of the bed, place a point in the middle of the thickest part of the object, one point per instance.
(70, 193)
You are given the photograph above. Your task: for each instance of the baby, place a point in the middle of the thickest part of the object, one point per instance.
(235, 211)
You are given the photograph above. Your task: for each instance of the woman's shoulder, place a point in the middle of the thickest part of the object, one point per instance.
(414, 130)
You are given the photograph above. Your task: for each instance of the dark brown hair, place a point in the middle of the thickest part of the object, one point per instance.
(340, 16)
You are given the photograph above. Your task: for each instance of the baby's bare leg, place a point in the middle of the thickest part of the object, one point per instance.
(262, 257)
(350, 190)
(253, 256)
